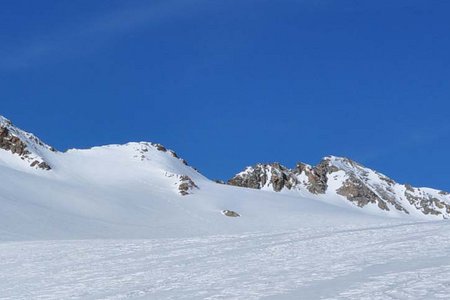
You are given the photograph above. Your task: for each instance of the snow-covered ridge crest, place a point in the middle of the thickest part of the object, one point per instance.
(334, 179)
(345, 179)
(24, 151)
(24, 144)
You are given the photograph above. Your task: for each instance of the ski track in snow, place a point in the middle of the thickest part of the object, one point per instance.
(407, 261)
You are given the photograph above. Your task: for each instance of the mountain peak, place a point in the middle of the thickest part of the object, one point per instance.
(344, 179)
(24, 145)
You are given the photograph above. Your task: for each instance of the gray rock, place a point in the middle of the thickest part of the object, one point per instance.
(230, 213)
(275, 175)
(10, 142)
(186, 185)
(361, 186)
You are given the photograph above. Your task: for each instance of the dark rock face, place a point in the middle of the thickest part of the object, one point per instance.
(10, 142)
(41, 165)
(186, 185)
(254, 179)
(357, 192)
(160, 147)
(358, 184)
(317, 176)
(426, 203)
(257, 177)
(279, 177)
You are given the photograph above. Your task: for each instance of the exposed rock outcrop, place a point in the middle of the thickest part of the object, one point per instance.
(186, 185)
(160, 147)
(230, 213)
(272, 175)
(25, 145)
(356, 183)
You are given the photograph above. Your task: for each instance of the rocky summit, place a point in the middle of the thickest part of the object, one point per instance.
(25, 145)
(345, 179)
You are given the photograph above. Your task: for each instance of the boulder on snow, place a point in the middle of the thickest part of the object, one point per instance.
(230, 213)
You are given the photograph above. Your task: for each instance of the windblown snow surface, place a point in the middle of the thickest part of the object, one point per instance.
(110, 223)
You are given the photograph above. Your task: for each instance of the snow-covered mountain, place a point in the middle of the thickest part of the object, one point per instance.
(141, 190)
(136, 221)
(342, 179)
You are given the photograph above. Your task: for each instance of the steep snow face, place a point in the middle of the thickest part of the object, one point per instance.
(23, 146)
(343, 179)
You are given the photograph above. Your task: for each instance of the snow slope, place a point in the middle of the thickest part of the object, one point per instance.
(134, 191)
(112, 192)
(135, 221)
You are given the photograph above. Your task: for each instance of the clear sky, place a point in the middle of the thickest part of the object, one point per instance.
(228, 83)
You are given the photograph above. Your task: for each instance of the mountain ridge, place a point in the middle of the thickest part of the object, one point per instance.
(344, 178)
(335, 180)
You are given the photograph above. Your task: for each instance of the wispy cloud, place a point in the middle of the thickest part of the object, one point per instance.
(92, 34)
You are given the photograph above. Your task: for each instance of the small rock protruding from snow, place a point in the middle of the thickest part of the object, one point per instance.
(186, 185)
(160, 147)
(230, 213)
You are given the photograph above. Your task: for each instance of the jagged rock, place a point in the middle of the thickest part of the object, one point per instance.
(186, 185)
(265, 175)
(159, 147)
(317, 176)
(358, 184)
(174, 154)
(426, 203)
(254, 178)
(12, 143)
(361, 195)
(44, 166)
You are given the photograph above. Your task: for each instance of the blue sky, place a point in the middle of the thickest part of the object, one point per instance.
(230, 83)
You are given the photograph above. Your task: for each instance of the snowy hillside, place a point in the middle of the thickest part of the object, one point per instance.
(137, 190)
(142, 190)
(136, 221)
